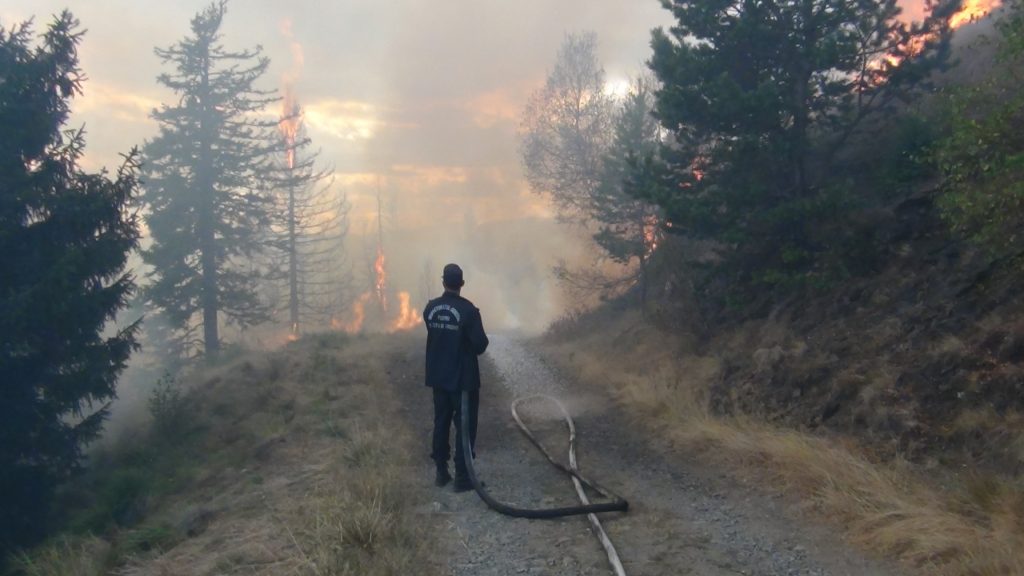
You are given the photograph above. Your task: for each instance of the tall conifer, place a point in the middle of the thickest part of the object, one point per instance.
(207, 208)
(65, 236)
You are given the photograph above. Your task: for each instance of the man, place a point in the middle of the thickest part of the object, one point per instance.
(455, 337)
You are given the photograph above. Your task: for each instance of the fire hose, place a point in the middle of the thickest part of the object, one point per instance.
(616, 503)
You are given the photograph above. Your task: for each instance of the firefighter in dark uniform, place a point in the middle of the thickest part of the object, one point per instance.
(455, 337)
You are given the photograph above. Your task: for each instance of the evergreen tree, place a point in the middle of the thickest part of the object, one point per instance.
(982, 158)
(628, 228)
(64, 240)
(760, 95)
(577, 142)
(208, 210)
(310, 229)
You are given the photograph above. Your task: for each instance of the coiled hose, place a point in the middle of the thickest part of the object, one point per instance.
(616, 504)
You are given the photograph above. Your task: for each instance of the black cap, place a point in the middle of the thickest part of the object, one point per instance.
(452, 276)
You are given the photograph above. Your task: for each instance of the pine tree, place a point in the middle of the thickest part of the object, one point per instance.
(208, 210)
(628, 227)
(982, 158)
(65, 236)
(760, 96)
(577, 142)
(311, 225)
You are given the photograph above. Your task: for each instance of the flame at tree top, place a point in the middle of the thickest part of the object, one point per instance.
(380, 284)
(973, 10)
(291, 112)
(291, 121)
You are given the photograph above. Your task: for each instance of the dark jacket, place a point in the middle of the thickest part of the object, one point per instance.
(455, 337)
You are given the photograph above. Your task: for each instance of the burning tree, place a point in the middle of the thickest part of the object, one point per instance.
(311, 228)
(208, 210)
(381, 315)
(982, 157)
(760, 98)
(628, 228)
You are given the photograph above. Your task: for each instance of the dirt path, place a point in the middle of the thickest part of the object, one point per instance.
(683, 519)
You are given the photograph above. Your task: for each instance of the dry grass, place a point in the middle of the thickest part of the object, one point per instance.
(365, 525)
(298, 463)
(65, 556)
(972, 526)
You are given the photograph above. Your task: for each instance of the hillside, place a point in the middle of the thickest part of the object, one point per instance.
(288, 462)
(891, 403)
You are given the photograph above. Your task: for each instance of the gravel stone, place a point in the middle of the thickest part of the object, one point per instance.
(684, 518)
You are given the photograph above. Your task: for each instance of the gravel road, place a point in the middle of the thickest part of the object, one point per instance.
(683, 518)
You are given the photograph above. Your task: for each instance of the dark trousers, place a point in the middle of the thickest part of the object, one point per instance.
(448, 411)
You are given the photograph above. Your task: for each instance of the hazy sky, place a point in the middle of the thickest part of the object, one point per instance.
(423, 94)
(427, 92)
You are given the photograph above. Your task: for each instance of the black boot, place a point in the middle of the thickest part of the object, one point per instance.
(443, 477)
(462, 483)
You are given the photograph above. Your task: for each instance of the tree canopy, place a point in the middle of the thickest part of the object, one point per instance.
(982, 158)
(207, 208)
(760, 96)
(578, 140)
(65, 236)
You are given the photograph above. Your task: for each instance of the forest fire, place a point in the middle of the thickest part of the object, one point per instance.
(650, 231)
(291, 112)
(355, 323)
(291, 120)
(972, 11)
(407, 318)
(380, 284)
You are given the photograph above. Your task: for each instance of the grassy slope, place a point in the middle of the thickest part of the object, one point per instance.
(291, 462)
(887, 504)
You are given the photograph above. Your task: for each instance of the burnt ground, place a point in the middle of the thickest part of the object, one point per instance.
(685, 517)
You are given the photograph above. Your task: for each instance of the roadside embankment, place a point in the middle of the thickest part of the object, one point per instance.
(285, 462)
(932, 517)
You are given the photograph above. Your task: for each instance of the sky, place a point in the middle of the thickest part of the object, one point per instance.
(422, 98)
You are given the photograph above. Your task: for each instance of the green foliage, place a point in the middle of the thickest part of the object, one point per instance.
(906, 158)
(65, 236)
(167, 405)
(624, 220)
(121, 488)
(65, 556)
(983, 157)
(578, 146)
(761, 97)
(208, 214)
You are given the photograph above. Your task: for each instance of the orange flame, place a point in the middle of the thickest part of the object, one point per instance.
(381, 283)
(972, 11)
(291, 121)
(355, 324)
(291, 112)
(650, 231)
(408, 318)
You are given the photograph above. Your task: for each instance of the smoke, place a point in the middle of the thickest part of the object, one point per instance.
(425, 96)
